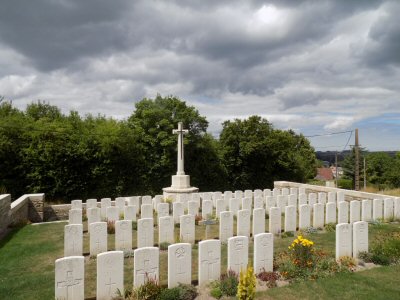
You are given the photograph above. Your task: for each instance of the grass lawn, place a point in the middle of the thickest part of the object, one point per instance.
(27, 258)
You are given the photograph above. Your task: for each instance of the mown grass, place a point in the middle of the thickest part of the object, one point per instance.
(27, 258)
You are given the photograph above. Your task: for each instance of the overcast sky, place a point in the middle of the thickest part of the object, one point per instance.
(312, 66)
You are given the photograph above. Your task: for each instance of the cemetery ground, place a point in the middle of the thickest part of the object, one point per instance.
(27, 256)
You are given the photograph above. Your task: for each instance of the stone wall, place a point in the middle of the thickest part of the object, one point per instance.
(28, 207)
(56, 212)
(5, 201)
(349, 194)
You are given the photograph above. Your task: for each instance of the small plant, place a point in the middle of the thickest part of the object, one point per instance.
(347, 262)
(197, 219)
(164, 246)
(269, 277)
(330, 227)
(365, 256)
(386, 249)
(247, 285)
(287, 234)
(110, 227)
(229, 283)
(181, 292)
(148, 291)
(84, 216)
(302, 252)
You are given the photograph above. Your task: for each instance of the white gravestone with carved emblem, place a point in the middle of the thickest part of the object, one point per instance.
(69, 278)
(123, 235)
(360, 238)
(238, 253)
(330, 216)
(377, 209)
(209, 261)
(206, 209)
(225, 226)
(366, 210)
(104, 203)
(110, 275)
(73, 243)
(166, 230)
(76, 204)
(145, 233)
(243, 223)
(75, 216)
(275, 220)
(343, 240)
(263, 252)
(146, 265)
(187, 229)
(258, 221)
(304, 216)
(355, 211)
(343, 212)
(130, 213)
(93, 215)
(179, 264)
(120, 204)
(98, 238)
(290, 218)
(112, 214)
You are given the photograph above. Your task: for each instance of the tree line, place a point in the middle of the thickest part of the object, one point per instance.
(69, 156)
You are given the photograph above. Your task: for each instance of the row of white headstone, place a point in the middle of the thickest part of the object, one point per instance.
(69, 271)
(351, 239)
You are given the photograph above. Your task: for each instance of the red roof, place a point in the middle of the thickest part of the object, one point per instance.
(324, 174)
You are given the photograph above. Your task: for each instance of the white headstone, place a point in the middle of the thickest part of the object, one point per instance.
(276, 192)
(217, 195)
(69, 278)
(120, 204)
(135, 200)
(302, 190)
(294, 191)
(73, 243)
(206, 209)
(285, 191)
(396, 208)
(290, 218)
(331, 197)
(238, 253)
(91, 203)
(366, 210)
(340, 196)
(258, 221)
(166, 230)
(76, 204)
(163, 210)
(225, 226)
(123, 235)
(247, 203)
(267, 192)
(110, 274)
(146, 211)
(270, 201)
(281, 202)
(146, 265)
(243, 222)
(377, 209)
(193, 208)
(304, 216)
(360, 238)
(343, 240)
(302, 199)
(234, 205)
(130, 213)
(312, 199)
(275, 220)
(209, 261)
(355, 211)
(258, 202)
(220, 206)
(258, 194)
(196, 197)
(156, 200)
(93, 215)
(318, 215)
(145, 233)
(248, 194)
(292, 201)
(388, 209)
(147, 200)
(343, 212)
(177, 211)
(239, 195)
(98, 238)
(179, 264)
(263, 252)
(104, 203)
(75, 216)
(322, 198)
(112, 214)
(187, 229)
(330, 213)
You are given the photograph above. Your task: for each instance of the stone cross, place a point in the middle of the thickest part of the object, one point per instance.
(180, 132)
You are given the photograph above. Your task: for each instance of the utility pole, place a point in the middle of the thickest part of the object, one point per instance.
(357, 163)
(336, 177)
(365, 175)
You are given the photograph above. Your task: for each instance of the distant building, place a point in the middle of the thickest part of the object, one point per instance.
(339, 171)
(324, 174)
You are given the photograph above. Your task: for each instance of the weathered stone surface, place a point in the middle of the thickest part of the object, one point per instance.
(360, 237)
(110, 275)
(76, 204)
(91, 203)
(177, 211)
(330, 216)
(258, 221)
(343, 240)
(98, 238)
(239, 195)
(187, 229)
(302, 190)
(69, 278)
(366, 210)
(263, 252)
(135, 200)
(290, 219)
(112, 214)
(248, 194)
(318, 215)
(267, 192)
(258, 202)
(258, 194)
(343, 212)
(156, 200)
(225, 226)
(123, 235)
(179, 264)
(377, 209)
(206, 209)
(355, 211)
(275, 220)
(322, 198)
(243, 222)
(247, 203)
(75, 216)
(276, 192)
(285, 192)
(397, 208)
(292, 201)
(104, 203)
(146, 265)
(340, 197)
(209, 261)
(145, 233)
(73, 243)
(294, 191)
(312, 199)
(130, 212)
(281, 202)
(166, 230)
(238, 253)
(146, 211)
(304, 216)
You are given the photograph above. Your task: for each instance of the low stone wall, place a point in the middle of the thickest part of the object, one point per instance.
(56, 212)
(5, 201)
(349, 194)
(28, 207)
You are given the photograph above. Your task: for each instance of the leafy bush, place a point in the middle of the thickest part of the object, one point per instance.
(151, 290)
(345, 184)
(287, 234)
(269, 277)
(386, 249)
(302, 252)
(181, 292)
(247, 285)
(226, 286)
(110, 227)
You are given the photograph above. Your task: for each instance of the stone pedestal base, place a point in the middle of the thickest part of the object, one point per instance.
(180, 186)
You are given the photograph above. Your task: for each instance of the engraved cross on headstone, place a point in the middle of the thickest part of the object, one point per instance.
(110, 284)
(69, 282)
(180, 132)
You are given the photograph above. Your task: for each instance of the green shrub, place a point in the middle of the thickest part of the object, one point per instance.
(330, 227)
(169, 294)
(181, 292)
(229, 283)
(287, 234)
(386, 250)
(148, 291)
(345, 184)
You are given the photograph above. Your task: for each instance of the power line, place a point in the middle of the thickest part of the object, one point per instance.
(351, 134)
(327, 134)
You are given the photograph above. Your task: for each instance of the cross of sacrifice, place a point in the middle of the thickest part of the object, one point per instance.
(69, 282)
(180, 132)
